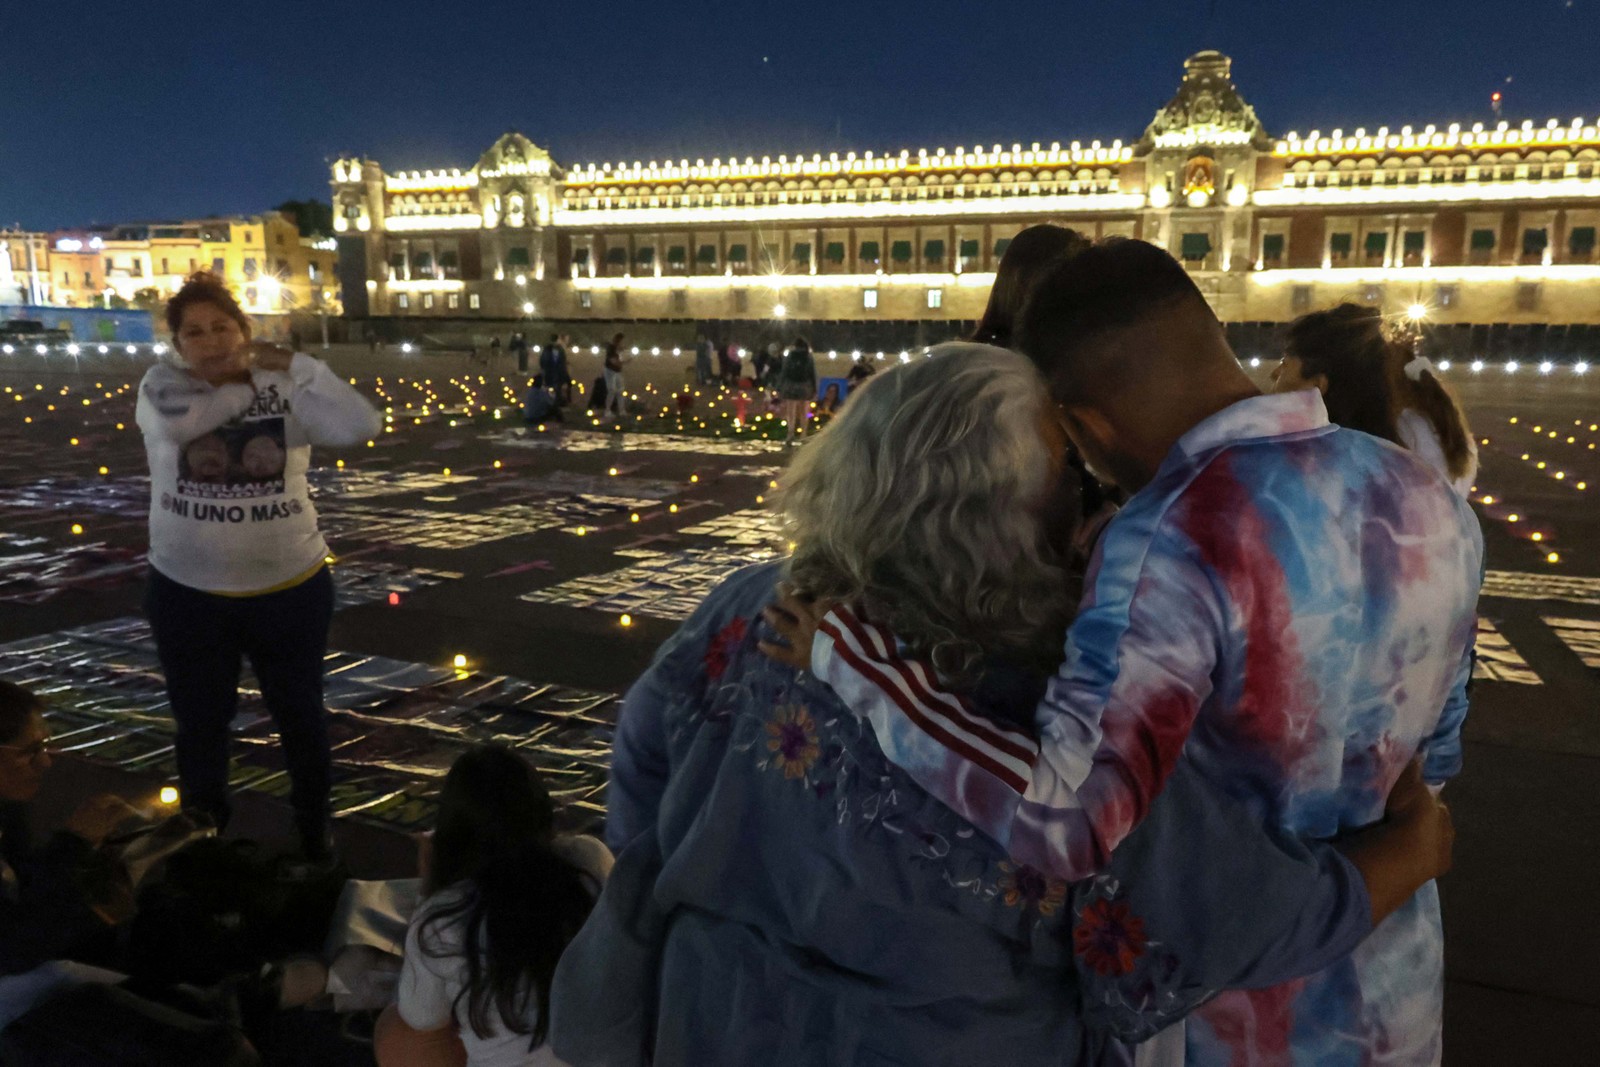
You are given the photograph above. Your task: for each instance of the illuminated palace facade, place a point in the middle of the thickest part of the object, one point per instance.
(1483, 223)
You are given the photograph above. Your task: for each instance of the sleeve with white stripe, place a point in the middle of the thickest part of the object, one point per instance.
(1111, 725)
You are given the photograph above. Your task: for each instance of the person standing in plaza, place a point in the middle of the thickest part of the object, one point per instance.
(237, 565)
(616, 402)
(553, 368)
(728, 363)
(519, 348)
(796, 376)
(702, 360)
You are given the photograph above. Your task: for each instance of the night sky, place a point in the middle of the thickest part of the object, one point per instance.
(114, 111)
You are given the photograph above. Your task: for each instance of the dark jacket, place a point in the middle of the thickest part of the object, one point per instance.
(47, 896)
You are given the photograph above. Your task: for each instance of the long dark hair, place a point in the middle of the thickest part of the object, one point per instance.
(1026, 258)
(1437, 404)
(521, 903)
(1346, 345)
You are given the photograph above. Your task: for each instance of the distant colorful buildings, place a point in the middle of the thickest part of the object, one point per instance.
(271, 267)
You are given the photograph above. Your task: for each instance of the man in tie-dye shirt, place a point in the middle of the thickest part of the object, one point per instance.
(1289, 603)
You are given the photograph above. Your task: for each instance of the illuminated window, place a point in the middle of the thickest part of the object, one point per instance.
(585, 299)
(454, 301)
(1272, 250)
(1194, 247)
(402, 301)
(427, 301)
(1413, 245)
(936, 298)
(1580, 242)
(474, 302)
(869, 298)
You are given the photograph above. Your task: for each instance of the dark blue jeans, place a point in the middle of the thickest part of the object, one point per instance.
(202, 639)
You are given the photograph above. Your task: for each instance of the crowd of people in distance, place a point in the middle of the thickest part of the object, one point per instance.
(1099, 714)
(781, 380)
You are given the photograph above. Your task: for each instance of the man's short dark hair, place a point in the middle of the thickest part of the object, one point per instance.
(1112, 285)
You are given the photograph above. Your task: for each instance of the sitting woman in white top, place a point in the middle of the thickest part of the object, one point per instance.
(1375, 384)
(237, 564)
(503, 896)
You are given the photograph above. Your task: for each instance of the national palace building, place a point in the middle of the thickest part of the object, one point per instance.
(1492, 227)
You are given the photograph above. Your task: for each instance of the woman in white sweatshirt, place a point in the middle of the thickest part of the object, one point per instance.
(237, 564)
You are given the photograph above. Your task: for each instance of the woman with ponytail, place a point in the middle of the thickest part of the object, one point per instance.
(502, 897)
(1378, 386)
(1430, 420)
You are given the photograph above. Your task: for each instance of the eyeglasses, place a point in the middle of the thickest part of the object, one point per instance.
(29, 753)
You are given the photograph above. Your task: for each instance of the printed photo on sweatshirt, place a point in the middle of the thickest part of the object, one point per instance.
(241, 459)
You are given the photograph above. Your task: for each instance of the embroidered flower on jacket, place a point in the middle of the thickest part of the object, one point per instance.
(1025, 886)
(1109, 938)
(792, 739)
(723, 645)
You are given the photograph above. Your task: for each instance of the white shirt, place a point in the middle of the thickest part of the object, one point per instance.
(431, 981)
(230, 511)
(1419, 436)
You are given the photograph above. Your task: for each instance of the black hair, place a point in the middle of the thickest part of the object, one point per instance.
(17, 707)
(1346, 345)
(521, 903)
(1026, 258)
(1079, 298)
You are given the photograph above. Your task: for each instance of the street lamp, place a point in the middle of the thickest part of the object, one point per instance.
(779, 311)
(527, 307)
(1417, 312)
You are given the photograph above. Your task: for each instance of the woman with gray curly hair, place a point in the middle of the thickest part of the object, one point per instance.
(784, 895)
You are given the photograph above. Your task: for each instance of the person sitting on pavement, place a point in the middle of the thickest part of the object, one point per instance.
(503, 895)
(539, 404)
(60, 898)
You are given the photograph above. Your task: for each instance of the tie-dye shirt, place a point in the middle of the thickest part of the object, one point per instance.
(1289, 604)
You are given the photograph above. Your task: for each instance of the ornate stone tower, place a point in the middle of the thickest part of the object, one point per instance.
(1200, 155)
